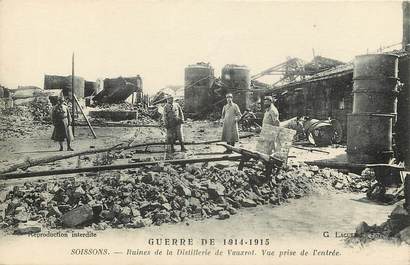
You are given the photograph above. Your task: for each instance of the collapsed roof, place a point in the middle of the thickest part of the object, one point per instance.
(117, 90)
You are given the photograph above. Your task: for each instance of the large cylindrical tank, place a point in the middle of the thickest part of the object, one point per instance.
(79, 84)
(369, 138)
(237, 80)
(375, 95)
(64, 83)
(375, 83)
(406, 121)
(402, 128)
(370, 126)
(197, 93)
(373, 66)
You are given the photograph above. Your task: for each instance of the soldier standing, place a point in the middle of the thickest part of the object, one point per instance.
(173, 120)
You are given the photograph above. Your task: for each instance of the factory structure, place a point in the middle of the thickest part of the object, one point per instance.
(108, 90)
(335, 131)
(368, 97)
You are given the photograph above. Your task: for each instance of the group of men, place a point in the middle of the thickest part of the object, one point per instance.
(231, 114)
(173, 118)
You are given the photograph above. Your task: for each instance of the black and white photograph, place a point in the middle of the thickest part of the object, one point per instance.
(204, 132)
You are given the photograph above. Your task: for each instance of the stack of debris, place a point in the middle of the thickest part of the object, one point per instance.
(214, 115)
(123, 111)
(344, 182)
(116, 106)
(396, 229)
(320, 63)
(160, 97)
(117, 90)
(25, 119)
(152, 195)
(14, 122)
(40, 109)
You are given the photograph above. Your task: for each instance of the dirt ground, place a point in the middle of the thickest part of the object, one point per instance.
(299, 222)
(39, 144)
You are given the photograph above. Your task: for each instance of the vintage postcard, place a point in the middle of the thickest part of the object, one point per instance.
(204, 132)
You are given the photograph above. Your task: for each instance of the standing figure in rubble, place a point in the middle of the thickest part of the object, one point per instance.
(271, 118)
(60, 116)
(271, 115)
(231, 114)
(173, 120)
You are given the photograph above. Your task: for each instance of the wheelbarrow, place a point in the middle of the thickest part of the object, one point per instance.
(272, 150)
(270, 163)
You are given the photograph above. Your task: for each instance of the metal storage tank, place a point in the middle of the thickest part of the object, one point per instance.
(375, 96)
(64, 83)
(370, 126)
(375, 83)
(79, 84)
(54, 82)
(197, 92)
(237, 79)
(369, 138)
(406, 148)
(375, 66)
(402, 127)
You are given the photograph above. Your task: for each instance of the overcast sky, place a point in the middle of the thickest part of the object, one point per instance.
(157, 39)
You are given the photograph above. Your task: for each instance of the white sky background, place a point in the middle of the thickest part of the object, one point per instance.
(158, 39)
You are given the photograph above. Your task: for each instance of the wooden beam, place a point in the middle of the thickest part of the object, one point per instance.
(114, 167)
(336, 164)
(119, 147)
(254, 154)
(311, 149)
(85, 117)
(72, 95)
(117, 124)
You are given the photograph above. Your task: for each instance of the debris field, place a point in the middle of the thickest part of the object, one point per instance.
(159, 194)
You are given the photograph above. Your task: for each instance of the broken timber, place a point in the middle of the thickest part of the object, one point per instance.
(311, 149)
(270, 162)
(253, 154)
(43, 160)
(115, 167)
(85, 117)
(116, 124)
(336, 164)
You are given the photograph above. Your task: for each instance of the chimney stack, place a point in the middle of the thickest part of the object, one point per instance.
(406, 24)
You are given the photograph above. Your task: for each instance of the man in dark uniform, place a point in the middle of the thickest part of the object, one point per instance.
(173, 120)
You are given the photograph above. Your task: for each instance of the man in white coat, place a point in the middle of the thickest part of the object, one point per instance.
(231, 114)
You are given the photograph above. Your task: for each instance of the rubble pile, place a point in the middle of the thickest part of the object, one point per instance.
(152, 195)
(340, 181)
(40, 109)
(143, 115)
(396, 229)
(116, 106)
(25, 119)
(13, 122)
(214, 115)
(159, 97)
